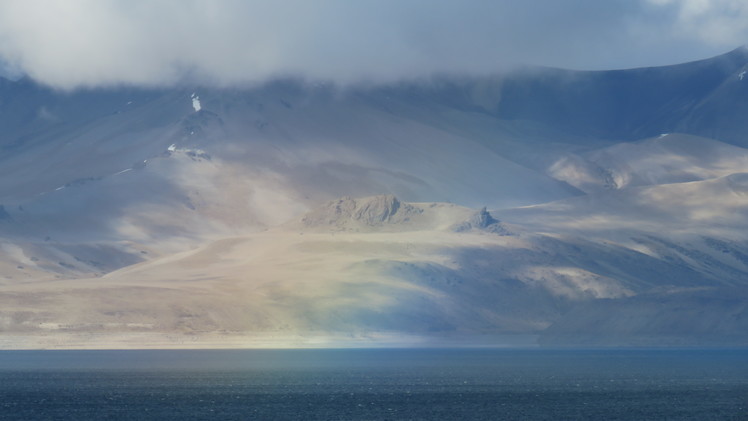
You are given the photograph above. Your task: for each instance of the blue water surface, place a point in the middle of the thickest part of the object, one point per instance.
(375, 384)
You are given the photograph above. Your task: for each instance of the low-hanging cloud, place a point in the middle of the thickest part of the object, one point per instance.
(74, 43)
(716, 22)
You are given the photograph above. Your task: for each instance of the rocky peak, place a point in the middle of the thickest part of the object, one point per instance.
(481, 220)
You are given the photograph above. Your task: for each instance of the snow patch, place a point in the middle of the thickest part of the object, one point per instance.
(196, 102)
(192, 153)
(662, 135)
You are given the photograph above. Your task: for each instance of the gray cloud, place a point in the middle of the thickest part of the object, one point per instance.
(714, 22)
(72, 43)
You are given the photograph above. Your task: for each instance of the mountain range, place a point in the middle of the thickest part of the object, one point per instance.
(537, 206)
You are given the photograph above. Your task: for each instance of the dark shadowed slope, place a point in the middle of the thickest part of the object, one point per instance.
(707, 98)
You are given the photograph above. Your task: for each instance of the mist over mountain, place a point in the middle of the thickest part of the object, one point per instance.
(537, 206)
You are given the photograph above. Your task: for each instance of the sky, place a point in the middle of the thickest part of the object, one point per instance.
(87, 43)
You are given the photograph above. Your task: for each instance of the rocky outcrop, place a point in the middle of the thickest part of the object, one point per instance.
(481, 220)
(372, 212)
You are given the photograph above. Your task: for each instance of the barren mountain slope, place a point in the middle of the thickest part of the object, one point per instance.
(299, 214)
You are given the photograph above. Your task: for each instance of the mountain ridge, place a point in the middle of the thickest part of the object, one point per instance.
(441, 210)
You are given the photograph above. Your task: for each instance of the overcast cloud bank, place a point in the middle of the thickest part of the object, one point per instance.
(73, 43)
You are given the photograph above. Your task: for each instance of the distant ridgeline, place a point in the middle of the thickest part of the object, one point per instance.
(707, 98)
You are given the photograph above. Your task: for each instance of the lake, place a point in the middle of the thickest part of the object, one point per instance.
(375, 384)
